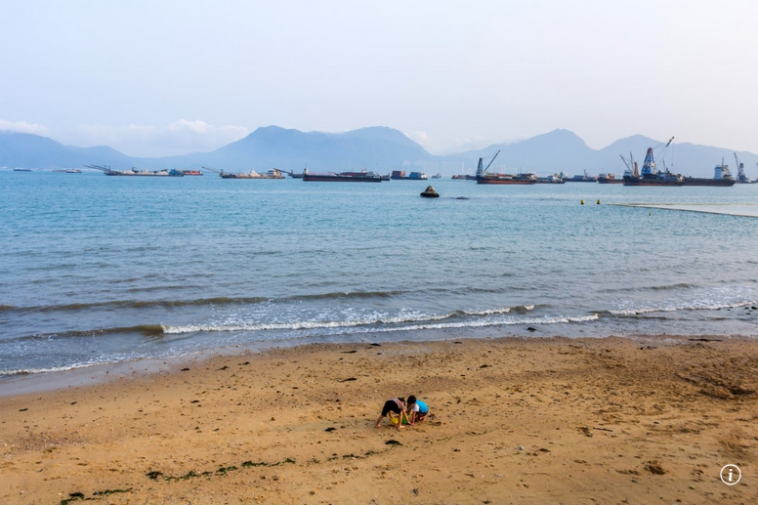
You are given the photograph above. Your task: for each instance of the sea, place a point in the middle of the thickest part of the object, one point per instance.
(106, 270)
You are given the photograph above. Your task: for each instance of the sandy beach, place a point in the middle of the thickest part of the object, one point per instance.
(588, 421)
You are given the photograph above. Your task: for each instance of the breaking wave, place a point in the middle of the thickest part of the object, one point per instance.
(681, 307)
(397, 323)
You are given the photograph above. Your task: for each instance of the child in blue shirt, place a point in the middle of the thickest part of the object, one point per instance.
(417, 410)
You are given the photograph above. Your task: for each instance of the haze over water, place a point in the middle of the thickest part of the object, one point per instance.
(100, 269)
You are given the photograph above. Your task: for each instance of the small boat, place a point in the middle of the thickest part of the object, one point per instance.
(22, 170)
(437, 176)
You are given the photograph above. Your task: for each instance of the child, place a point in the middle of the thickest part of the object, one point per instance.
(417, 410)
(394, 406)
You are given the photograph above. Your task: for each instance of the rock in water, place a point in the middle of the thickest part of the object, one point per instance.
(430, 192)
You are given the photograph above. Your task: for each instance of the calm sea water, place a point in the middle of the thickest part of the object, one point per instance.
(98, 269)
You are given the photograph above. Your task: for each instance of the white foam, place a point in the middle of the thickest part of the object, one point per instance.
(407, 317)
(481, 324)
(490, 312)
(682, 307)
(354, 325)
(29, 371)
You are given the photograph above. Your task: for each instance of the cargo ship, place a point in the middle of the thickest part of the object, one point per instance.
(137, 173)
(551, 179)
(609, 179)
(484, 177)
(464, 177)
(363, 176)
(192, 172)
(399, 175)
(271, 174)
(490, 178)
(721, 177)
(742, 177)
(274, 173)
(583, 178)
(649, 176)
(295, 175)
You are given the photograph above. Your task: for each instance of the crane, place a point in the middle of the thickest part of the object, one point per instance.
(625, 163)
(663, 151)
(106, 169)
(741, 177)
(493, 159)
(635, 171)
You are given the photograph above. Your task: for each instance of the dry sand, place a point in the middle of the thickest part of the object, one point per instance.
(599, 421)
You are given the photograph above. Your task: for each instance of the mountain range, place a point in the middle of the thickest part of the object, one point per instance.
(381, 149)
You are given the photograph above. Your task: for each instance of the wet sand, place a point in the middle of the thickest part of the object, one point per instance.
(602, 421)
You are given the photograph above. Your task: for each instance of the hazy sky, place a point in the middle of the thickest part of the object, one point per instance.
(176, 76)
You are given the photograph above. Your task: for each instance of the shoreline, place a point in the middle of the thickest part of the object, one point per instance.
(516, 420)
(102, 373)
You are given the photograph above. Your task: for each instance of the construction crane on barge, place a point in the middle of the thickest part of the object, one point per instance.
(630, 165)
(741, 177)
(480, 170)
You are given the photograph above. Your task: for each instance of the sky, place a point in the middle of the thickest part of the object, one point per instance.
(177, 76)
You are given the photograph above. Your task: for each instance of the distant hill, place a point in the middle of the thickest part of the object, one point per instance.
(379, 149)
(376, 148)
(562, 150)
(546, 153)
(32, 151)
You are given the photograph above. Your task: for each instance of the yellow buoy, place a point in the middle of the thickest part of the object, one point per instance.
(598, 202)
(582, 202)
